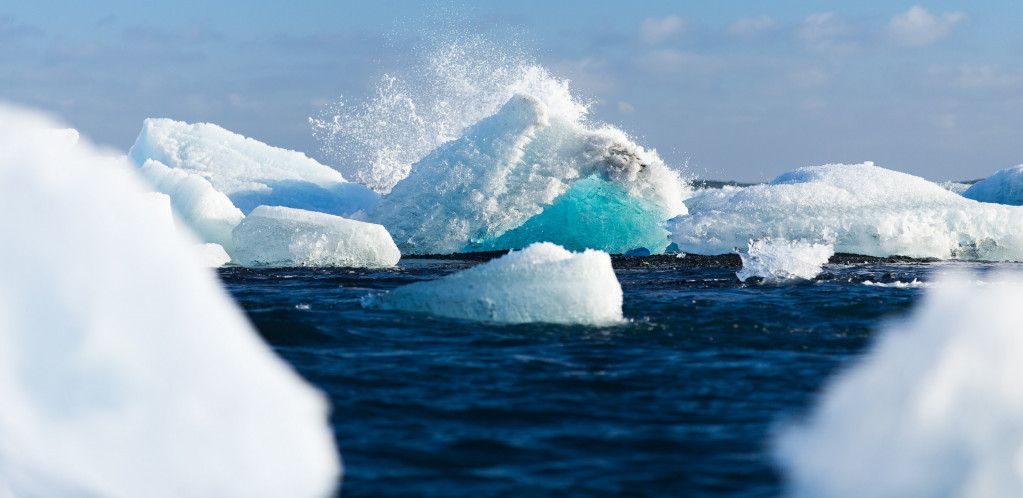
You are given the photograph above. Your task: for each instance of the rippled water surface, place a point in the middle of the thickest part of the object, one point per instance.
(681, 401)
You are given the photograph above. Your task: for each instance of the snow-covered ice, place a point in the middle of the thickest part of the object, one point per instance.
(201, 207)
(1003, 187)
(125, 369)
(249, 172)
(858, 208)
(528, 174)
(541, 283)
(934, 409)
(280, 236)
(778, 260)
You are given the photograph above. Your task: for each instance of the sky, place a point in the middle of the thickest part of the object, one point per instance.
(730, 90)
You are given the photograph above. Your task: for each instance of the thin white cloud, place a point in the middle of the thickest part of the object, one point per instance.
(826, 32)
(917, 27)
(675, 61)
(751, 27)
(625, 107)
(654, 31)
(986, 78)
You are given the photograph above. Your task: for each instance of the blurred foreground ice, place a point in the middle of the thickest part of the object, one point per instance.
(935, 409)
(125, 369)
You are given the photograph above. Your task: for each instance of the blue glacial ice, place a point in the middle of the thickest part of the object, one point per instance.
(541, 283)
(125, 368)
(858, 208)
(1003, 187)
(780, 260)
(934, 409)
(250, 173)
(284, 237)
(528, 174)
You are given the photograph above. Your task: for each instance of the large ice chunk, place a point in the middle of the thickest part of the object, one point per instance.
(935, 409)
(280, 236)
(858, 208)
(1003, 187)
(125, 369)
(541, 283)
(205, 210)
(249, 172)
(778, 260)
(527, 174)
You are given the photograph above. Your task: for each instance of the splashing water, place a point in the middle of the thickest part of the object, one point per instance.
(458, 80)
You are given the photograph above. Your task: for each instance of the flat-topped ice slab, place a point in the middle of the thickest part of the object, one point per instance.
(283, 237)
(541, 283)
(249, 172)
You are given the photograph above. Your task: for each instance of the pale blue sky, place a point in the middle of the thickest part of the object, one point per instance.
(742, 89)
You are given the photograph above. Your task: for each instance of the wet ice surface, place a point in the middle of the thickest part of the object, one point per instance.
(682, 399)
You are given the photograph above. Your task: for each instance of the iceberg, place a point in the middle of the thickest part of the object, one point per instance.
(283, 237)
(1003, 187)
(210, 213)
(125, 368)
(528, 174)
(934, 409)
(212, 255)
(779, 260)
(250, 173)
(541, 283)
(858, 208)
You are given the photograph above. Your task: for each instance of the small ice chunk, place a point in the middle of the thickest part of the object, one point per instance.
(776, 260)
(541, 283)
(934, 409)
(249, 172)
(281, 236)
(1003, 187)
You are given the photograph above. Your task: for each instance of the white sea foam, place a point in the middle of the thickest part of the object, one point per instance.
(280, 236)
(857, 208)
(455, 82)
(541, 283)
(899, 285)
(250, 173)
(125, 369)
(1003, 187)
(934, 409)
(778, 260)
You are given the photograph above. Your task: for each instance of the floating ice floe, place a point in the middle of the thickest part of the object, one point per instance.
(280, 236)
(1003, 187)
(527, 174)
(541, 283)
(205, 210)
(857, 208)
(934, 409)
(250, 173)
(778, 260)
(125, 368)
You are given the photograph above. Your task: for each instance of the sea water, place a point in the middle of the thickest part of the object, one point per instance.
(683, 399)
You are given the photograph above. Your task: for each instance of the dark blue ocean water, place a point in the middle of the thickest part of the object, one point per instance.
(681, 401)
